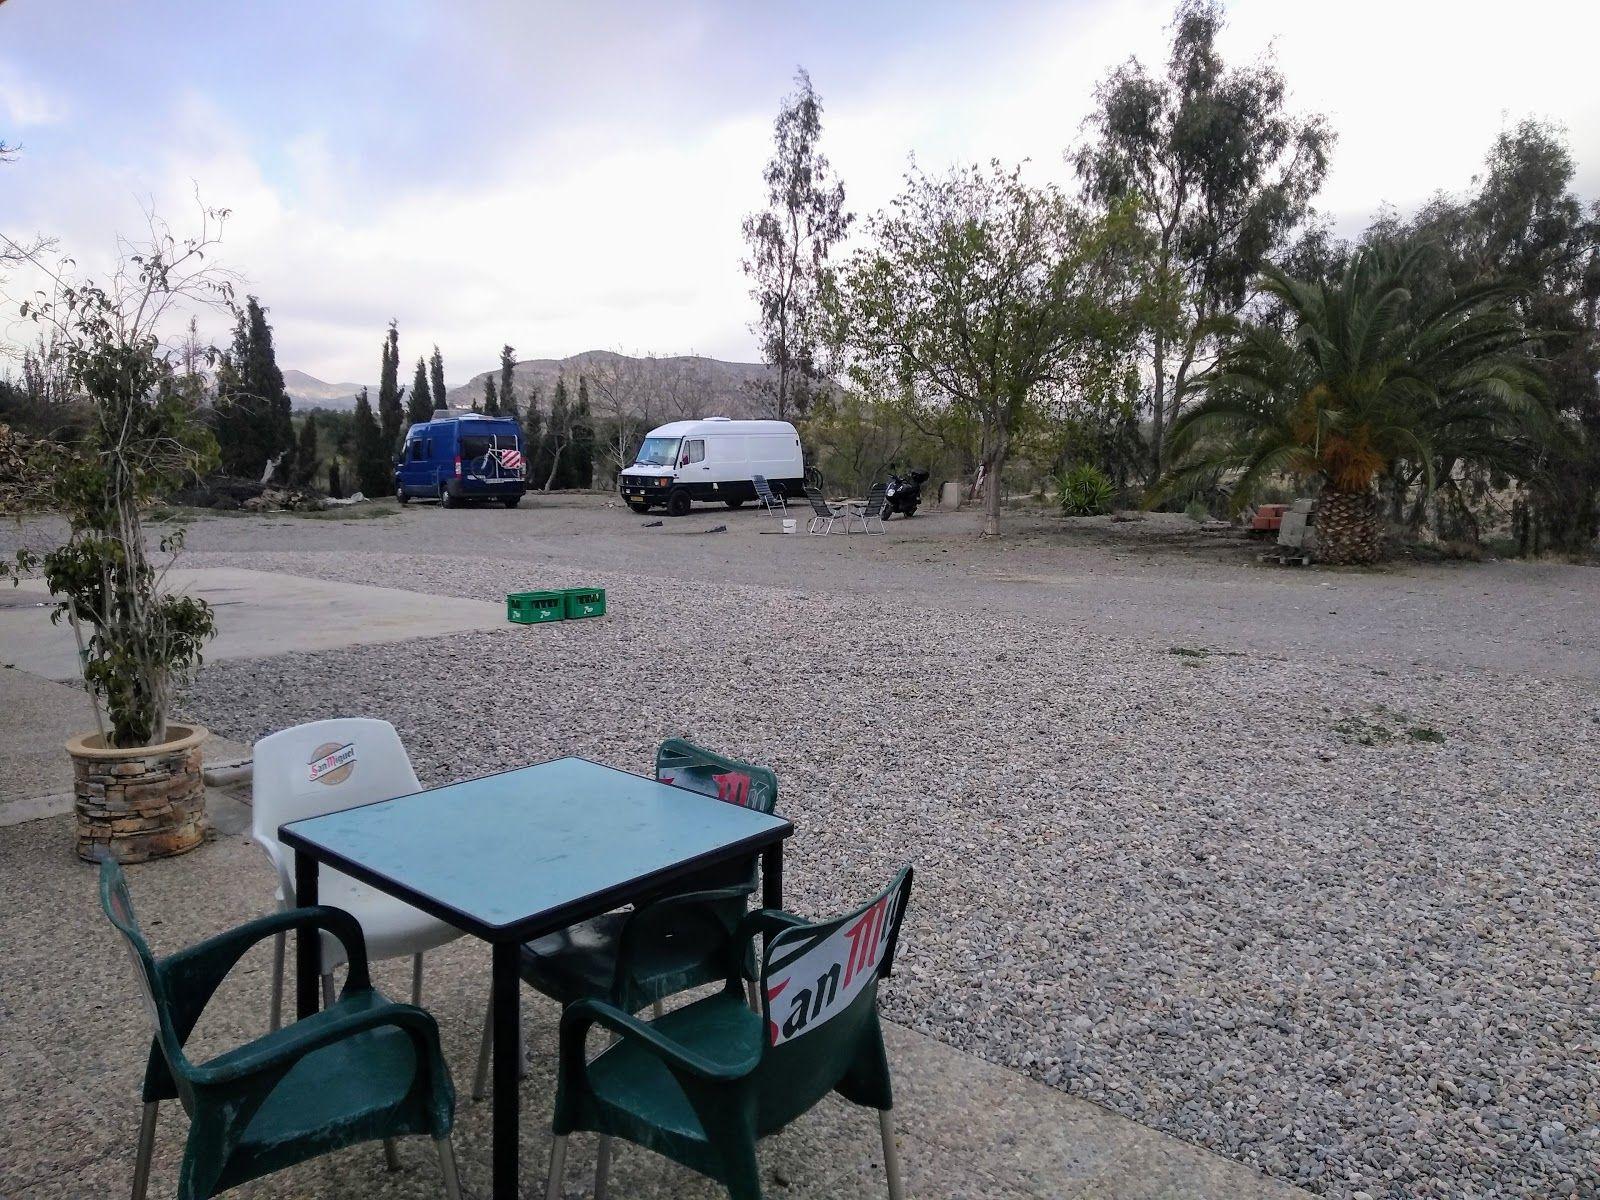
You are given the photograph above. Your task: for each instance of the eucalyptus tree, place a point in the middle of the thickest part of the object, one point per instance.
(1221, 176)
(987, 295)
(789, 244)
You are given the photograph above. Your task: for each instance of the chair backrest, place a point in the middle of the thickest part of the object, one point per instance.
(819, 989)
(877, 500)
(118, 906)
(818, 504)
(763, 488)
(683, 764)
(323, 767)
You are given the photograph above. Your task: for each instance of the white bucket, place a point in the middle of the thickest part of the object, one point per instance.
(790, 524)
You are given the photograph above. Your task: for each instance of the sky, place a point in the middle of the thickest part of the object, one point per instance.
(565, 177)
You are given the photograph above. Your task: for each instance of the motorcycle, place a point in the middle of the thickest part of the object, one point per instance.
(903, 493)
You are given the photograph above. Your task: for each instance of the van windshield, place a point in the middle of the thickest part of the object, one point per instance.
(657, 452)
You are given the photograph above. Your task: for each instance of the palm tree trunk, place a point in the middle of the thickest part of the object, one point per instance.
(1349, 528)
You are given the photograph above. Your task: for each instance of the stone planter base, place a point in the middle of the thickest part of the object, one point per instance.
(142, 802)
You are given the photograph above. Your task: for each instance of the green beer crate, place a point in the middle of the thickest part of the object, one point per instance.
(531, 608)
(585, 602)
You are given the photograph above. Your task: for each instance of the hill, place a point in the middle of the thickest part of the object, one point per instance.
(307, 391)
(658, 388)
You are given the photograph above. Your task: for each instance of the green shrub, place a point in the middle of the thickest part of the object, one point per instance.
(1084, 491)
(1196, 511)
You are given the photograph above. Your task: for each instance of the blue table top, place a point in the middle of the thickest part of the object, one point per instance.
(529, 850)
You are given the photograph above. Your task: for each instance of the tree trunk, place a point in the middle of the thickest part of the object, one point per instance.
(1158, 411)
(993, 464)
(1349, 528)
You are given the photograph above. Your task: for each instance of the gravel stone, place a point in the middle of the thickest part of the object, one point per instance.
(1228, 896)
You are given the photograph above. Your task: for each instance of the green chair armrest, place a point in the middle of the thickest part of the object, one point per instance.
(763, 921)
(192, 976)
(579, 1016)
(278, 1051)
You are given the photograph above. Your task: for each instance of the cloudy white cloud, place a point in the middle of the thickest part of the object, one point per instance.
(564, 180)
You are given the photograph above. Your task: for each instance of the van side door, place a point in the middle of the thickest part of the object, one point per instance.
(413, 461)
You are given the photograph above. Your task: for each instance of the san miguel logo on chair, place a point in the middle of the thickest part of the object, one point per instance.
(331, 763)
(814, 978)
(733, 788)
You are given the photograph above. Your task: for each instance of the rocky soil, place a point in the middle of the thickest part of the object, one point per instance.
(1337, 919)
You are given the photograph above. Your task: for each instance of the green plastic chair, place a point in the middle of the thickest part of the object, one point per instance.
(637, 958)
(703, 1083)
(360, 1070)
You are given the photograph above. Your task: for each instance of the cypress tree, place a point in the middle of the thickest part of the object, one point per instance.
(390, 414)
(491, 399)
(253, 411)
(436, 370)
(335, 487)
(419, 407)
(557, 430)
(372, 464)
(305, 453)
(508, 383)
(579, 468)
(532, 436)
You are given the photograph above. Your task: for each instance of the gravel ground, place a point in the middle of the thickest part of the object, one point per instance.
(1335, 920)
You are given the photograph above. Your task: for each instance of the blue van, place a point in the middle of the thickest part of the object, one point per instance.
(462, 456)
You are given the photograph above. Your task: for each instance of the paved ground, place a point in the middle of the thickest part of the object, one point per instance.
(71, 1058)
(257, 614)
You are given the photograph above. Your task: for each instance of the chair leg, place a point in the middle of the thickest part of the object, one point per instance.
(279, 946)
(656, 1011)
(751, 990)
(447, 1165)
(891, 1155)
(147, 1146)
(558, 1159)
(602, 1168)
(480, 1082)
(416, 980)
(391, 1155)
(327, 989)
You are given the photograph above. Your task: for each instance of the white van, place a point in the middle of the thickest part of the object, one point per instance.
(714, 460)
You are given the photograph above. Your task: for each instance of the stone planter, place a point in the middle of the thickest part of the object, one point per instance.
(141, 802)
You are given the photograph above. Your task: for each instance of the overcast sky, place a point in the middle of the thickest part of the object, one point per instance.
(567, 177)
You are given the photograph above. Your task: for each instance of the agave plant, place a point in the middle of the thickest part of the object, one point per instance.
(1365, 377)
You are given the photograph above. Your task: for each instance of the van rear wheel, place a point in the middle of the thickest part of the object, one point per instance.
(400, 495)
(446, 500)
(678, 504)
(734, 502)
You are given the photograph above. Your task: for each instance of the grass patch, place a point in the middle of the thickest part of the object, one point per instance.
(1361, 732)
(365, 511)
(1421, 733)
(1189, 652)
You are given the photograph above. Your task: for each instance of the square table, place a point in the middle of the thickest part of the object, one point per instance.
(514, 856)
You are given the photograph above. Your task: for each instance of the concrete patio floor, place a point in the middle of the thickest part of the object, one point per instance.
(76, 1039)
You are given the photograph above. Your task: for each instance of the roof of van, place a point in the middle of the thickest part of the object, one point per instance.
(440, 417)
(713, 426)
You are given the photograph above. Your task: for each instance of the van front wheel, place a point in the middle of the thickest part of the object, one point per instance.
(678, 504)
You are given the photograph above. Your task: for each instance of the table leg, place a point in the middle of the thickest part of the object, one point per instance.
(307, 941)
(505, 988)
(772, 876)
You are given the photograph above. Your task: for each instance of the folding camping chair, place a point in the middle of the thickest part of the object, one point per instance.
(772, 501)
(872, 510)
(823, 514)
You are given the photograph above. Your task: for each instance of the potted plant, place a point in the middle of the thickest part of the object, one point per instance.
(137, 784)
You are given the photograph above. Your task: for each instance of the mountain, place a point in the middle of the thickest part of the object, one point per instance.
(307, 391)
(663, 389)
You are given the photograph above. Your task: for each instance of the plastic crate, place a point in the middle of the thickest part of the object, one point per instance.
(585, 602)
(531, 608)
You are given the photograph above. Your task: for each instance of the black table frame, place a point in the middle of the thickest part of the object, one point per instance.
(505, 986)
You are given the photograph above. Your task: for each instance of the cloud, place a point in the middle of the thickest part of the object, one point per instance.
(26, 104)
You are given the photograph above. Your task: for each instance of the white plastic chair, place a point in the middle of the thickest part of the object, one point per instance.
(329, 766)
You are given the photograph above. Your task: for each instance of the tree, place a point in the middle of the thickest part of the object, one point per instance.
(305, 453)
(253, 423)
(1366, 377)
(625, 388)
(491, 398)
(789, 245)
(985, 294)
(391, 416)
(508, 382)
(557, 432)
(374, 473)
(1221, 176)
(533, 438)
(578, 466)
(420, 406)
(436, 373)
(335, 485)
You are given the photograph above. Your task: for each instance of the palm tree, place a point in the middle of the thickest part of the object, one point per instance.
(1361, 377)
